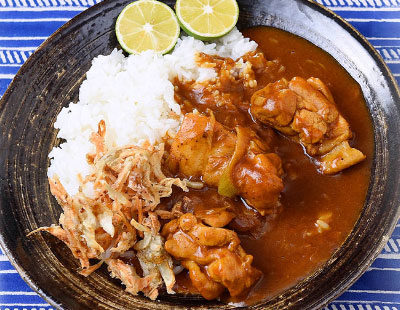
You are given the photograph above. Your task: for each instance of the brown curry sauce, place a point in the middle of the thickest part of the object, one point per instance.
(291, 247)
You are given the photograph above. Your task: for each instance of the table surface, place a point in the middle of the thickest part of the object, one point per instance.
(25, 24)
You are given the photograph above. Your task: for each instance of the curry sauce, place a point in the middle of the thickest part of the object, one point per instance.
(317, 212)
(260, 176)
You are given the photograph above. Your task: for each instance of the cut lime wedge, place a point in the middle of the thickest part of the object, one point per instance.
(207, 19)
(147, 25)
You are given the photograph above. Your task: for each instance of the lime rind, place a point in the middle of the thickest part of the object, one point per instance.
(203, 36)
(130, 50)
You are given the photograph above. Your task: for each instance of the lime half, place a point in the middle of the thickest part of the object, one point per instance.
(147, 25)
(207, 19)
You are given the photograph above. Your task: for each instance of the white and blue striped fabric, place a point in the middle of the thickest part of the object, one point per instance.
(25, 24)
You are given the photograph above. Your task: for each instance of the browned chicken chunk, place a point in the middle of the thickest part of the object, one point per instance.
(305, 110)
(215, 210)
(237, 163)
(257, 178)
(213, 256)
(212, 208)
(201, 148)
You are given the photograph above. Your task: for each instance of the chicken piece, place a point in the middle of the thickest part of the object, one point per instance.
(306, 111)
(319, 85)
(218, 217)
(257, 60)
(310, 126)
(222, 147)
(236, 163)
(257, 179)
(201, 148)
(213, 209)
(213, 256)
(275, 104)
(208, 288)
(341, 157)
(314, 100)
(234, 271)
(217, 211)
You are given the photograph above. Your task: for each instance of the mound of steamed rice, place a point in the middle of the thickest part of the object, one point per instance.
(135, 97)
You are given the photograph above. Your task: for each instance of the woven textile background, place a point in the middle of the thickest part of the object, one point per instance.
(25, 24)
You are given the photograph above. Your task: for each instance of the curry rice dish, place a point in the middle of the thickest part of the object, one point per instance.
(231, 169)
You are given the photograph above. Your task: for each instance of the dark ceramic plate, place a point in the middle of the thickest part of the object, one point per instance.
(50, 79)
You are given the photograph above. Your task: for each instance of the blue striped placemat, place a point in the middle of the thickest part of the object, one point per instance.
(25, 24)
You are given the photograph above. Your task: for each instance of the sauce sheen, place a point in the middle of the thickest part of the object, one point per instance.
(317, 211)
(292, 249)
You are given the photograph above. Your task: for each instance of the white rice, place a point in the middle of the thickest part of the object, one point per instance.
(135, 97)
